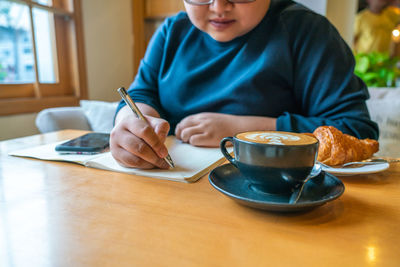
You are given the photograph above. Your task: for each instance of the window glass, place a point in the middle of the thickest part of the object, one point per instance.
(44, 2)
(43, 22)
(16, 55)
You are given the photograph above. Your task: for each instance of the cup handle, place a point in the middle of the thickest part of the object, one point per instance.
(226, 154)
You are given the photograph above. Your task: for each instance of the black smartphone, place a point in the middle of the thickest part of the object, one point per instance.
(86, 144)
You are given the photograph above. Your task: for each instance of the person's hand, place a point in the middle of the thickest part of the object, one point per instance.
(134, 143)
(206, 129)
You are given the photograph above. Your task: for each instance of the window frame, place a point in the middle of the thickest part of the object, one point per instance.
(72, 84)
(147, 15)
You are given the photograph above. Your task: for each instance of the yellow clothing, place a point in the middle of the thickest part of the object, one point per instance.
(373, 32)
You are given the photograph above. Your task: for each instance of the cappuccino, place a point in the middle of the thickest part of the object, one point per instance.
(274, 162)
(277, 138)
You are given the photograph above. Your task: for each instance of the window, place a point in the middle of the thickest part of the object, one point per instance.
(41, 55)
(28, 50)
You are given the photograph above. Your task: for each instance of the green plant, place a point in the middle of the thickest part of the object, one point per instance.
(377, 69)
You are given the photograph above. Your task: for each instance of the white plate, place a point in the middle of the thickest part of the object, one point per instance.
(356, 171)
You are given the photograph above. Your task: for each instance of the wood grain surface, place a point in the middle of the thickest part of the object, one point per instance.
(62, 214)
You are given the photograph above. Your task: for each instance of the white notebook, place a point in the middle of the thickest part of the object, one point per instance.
(191, 162)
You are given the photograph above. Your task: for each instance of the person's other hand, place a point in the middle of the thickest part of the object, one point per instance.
(206, 129)
(134, 143)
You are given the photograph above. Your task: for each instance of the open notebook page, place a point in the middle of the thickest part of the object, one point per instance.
(191, 163)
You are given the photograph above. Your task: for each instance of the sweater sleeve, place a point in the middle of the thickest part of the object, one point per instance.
(325, 86)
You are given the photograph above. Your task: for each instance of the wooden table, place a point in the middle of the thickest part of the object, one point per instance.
(62, 214)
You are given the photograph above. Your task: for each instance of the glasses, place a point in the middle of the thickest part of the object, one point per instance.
(208, 2)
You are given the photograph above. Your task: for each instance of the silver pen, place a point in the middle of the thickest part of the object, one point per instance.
(128, 100)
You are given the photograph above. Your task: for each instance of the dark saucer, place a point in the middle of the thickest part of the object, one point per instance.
(317, 191)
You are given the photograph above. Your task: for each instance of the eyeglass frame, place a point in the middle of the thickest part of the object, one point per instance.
(212, 1)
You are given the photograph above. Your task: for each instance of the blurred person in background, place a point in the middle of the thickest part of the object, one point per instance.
(374, 26)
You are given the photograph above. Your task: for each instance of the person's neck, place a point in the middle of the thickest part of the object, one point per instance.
(376, 10)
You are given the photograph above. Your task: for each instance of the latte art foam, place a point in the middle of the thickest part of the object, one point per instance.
(272, 138)
(277, 138)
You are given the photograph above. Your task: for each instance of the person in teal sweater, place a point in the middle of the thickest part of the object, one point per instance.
(228, 66)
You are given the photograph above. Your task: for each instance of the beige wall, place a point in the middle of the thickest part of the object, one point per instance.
(17, 126)
(108, 44)
(342, 13)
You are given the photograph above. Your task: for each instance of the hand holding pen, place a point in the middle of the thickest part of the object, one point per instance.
(138, 140)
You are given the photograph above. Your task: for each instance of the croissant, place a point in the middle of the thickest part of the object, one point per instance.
(336, 148)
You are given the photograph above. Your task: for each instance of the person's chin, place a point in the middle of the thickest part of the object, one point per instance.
(221, 37)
